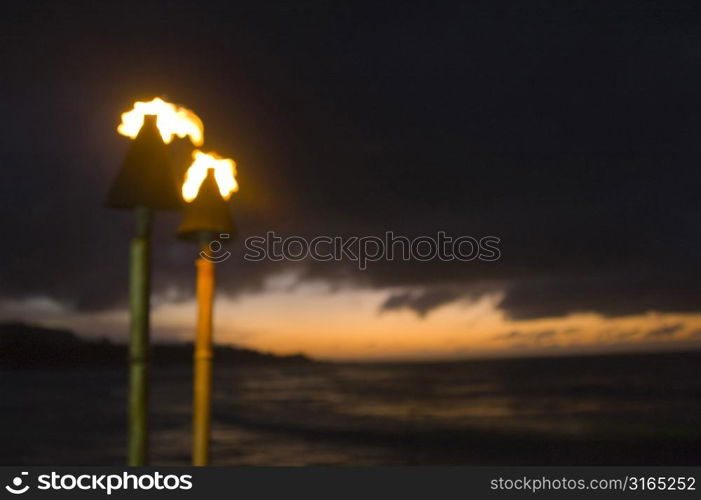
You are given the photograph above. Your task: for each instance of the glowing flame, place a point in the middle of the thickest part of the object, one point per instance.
(224, 174)
(171, 120)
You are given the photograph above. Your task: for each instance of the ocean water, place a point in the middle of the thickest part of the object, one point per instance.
(642, 409)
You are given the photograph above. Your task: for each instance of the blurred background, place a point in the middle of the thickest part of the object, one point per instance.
(569, 132)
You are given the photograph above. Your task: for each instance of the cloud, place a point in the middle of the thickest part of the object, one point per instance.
(536, 336)
(619, 336)
(610, 292)
(590, 218)
(664, 331)
(422, 302)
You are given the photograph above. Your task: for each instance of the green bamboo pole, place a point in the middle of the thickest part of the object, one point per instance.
(202, 386)
(139, 288)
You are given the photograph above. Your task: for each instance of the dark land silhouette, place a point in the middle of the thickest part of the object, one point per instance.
(31, 346)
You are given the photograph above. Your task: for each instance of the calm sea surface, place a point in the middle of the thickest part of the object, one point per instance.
(587, 410)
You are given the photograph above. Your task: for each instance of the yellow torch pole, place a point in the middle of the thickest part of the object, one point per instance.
(202, 401)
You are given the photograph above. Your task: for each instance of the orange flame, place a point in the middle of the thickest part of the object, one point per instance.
(171, 120)
(224, 174)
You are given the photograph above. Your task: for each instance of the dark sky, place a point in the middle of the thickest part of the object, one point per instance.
(571, 132)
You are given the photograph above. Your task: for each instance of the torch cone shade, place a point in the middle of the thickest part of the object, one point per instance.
(146, 178)
(208, 214)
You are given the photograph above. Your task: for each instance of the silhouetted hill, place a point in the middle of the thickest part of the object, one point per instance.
(26, 346)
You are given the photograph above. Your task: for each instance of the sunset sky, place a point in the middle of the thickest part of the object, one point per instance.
(348, 324)
(572, 134)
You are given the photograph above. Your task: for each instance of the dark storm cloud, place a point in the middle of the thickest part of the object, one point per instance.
(572, 134)
(422, 302)
(616, 293)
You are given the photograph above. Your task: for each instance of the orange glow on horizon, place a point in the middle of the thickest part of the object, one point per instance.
(345, 323)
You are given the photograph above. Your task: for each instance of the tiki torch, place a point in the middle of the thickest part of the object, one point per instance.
(209, 182)
(144, 183)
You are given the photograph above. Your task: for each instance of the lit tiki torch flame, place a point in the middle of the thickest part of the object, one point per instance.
(224, 173)
(171, 120)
